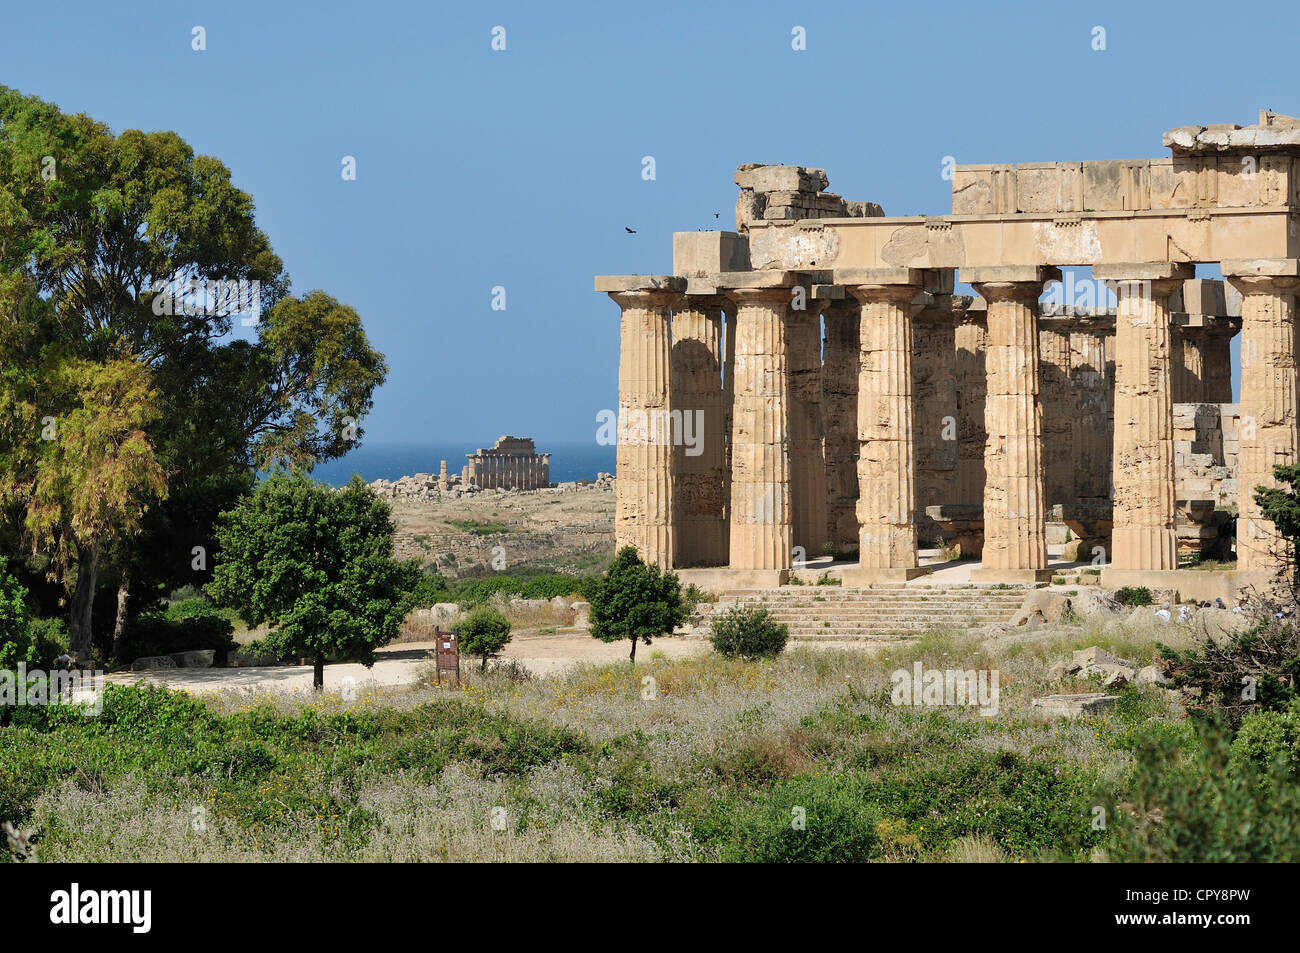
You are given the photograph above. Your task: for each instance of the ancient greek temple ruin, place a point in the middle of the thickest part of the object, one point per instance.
(512, 463)
(851, 403)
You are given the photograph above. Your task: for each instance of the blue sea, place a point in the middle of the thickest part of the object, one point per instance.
(569, 461)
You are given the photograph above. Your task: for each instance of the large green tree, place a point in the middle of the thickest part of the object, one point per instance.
(317, 565)
(129, 249)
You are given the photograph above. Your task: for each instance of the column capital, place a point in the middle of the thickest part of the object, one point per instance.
(1010, 274)
(1265, 284)
(899, 295)
(1163, 278)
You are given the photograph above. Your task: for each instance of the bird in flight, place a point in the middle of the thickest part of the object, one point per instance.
(630, 231)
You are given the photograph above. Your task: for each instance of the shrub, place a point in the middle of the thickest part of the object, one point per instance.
(1133, 596)
(693, 595)
(480, 591)
(49, 640)
(1268, 654)
(1192, 807)
(550, 586)
(162, 634)
(748, 632)
(820, 818)
(430, 589)
(15, 622)
(1267, 745)
(484, 632)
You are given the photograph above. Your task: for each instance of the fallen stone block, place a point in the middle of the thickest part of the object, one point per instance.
(194, 658)
(151, 663)
(1073, 706)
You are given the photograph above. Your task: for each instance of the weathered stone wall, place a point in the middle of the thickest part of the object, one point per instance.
(1206, 452)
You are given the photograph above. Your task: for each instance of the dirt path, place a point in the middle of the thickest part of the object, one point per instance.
(400, 664)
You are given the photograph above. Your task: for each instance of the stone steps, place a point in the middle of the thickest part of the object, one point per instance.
(879, 614)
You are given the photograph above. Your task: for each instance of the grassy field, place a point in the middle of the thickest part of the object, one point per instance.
(801, 758)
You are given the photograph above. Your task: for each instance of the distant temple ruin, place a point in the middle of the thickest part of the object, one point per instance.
(988, 416)
(512, 463)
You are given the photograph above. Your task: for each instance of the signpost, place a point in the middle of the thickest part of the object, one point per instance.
(448, 653)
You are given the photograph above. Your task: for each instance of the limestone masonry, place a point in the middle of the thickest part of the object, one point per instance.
(847, 402)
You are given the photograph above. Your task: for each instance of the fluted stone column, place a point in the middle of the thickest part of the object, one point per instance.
(886, 447)
(807, 466)
(1267, 430)
(760, 517)
(970, 334)
(1143, 537)
(1058, 409)
(728, 407)
(1015, 540)
(934, 395)
(644, 488)
(697, 392)
(1091, 441)
(840, 358)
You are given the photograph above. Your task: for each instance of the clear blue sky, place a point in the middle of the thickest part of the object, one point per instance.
(521, 168)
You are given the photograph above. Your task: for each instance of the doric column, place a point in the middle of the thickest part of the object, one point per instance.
(970, 333)
(1143, 536)
(1057, 391)
(840, 358)
(807, 466)
(1091, 441)
(728, 406)
(1015, 540)
(886, 448)
(934, 393)
(644, 494)
(761, 533)
(701, 461)
(1267, 428)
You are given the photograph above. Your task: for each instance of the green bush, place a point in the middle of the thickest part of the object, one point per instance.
(430, 589)
(1217, 670)
(164, 633)
(748, 632)
(16, 643)
(1268, 745)
(1133, 596)
(819, 818)
(484, 632)
(1206, 807)
(49, 639)
(471, 594)
(549, 586)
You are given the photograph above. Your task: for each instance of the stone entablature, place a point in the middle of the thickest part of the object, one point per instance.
(512, 463)
(1030, 380)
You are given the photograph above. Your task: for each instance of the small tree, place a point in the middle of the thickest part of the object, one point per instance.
(635, 601)
(748, 632)
(484, 632)
(317, 565)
